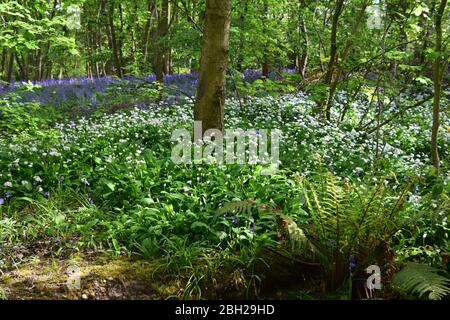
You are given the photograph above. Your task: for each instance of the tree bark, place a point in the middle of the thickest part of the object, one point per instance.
(437, 78)
(160, 51)
(10, 67)
(43, 51)
(209, 106)
(333, 58)
(242, 21)
(303, 32)
(147, 30)
(113, 41)
(266, 63)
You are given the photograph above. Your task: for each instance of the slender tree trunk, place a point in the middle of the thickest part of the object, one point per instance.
(20, 65)
(113, 41)
(333, 58)
(303, 63)
(303, 54)
(2, 64)
(26, 66)
(266, 63)
(437, 77)
(160, 51)
(209, 107)
(100, 65)
(166, 49)
(10, 67)
(147, 30)
(266, 67)
(43, 51)
(120, 39)
(240, 57)
(40, 62)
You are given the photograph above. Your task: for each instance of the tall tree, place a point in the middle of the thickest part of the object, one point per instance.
(326, 104)
(302, 55)
(266, 63)
(160, 50)
(437, 78)
(209, 106)
(147, 29)
(117, 59)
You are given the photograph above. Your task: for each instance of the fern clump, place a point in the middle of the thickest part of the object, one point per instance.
(423, 281)
(351, 225)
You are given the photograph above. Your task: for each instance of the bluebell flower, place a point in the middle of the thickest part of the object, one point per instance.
(2, 201)
(235, 219)
(8, 195)
(331, 242)
(61, 178)
(352, 264)
(253, 228)
(46, 194)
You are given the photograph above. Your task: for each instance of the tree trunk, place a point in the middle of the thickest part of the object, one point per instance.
(333, 58)
(266, 67)
(43, 51)
(302, 56)
(3, 62)
(40, 63)
(113, 41)
(147, 30)
(100, 65)
(209, 107)
(242, 21)
(266, 63)
(10, 67)
(160, 51)
(437, 77)
(120, 39)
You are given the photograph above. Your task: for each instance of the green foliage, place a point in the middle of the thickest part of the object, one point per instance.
(351, 220)
(25, 29)
(3, 295)
(423, 281)
(90, 168)
(17, 116)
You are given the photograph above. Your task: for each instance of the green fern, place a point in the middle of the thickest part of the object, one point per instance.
(239, 207)
(420, 280)
(349, 219)
(296, 235)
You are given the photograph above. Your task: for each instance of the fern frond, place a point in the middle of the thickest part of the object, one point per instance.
(421, 279)
(298, 241)
(297, 237)
(239, 207)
